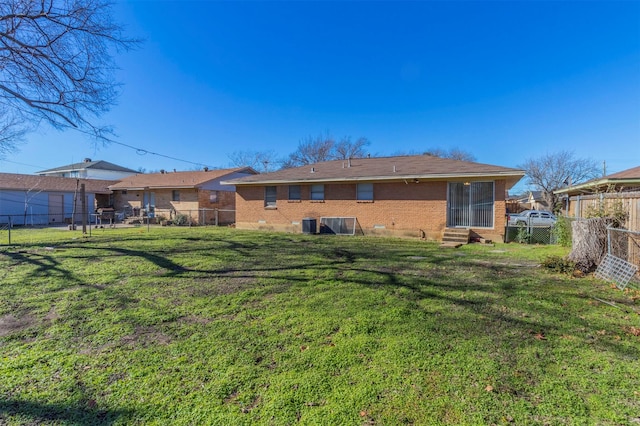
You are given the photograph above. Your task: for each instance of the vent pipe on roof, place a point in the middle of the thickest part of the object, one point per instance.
(313, 170)
(349, 161)
(394, 168)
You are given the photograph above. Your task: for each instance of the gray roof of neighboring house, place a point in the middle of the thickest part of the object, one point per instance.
(98, 165)
(168, 180)
(20, 182)
(384, 169)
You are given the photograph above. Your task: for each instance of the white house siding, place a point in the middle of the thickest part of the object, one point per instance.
(215, 185)
(91, 174)
(14, 204)
(106, 174)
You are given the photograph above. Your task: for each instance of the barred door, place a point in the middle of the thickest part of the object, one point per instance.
(470, 204)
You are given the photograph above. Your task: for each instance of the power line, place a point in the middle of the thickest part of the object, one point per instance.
(143, 151)
(23, 164)
(139, 151)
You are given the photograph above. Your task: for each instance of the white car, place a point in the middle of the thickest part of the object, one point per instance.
(532, 218)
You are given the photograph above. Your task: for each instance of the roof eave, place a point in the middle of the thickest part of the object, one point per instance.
(387, 178)
(596, 184)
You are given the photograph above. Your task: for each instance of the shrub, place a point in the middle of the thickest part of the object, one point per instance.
(559, 264)
(562, 230)
(523, 235)
(181, 219)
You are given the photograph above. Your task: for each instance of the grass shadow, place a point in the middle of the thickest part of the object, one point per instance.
(30, 412)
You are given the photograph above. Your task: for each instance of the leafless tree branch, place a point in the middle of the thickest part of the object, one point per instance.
(56, 62)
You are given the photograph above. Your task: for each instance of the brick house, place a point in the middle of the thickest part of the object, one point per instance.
(417, 196)
(43, 200)
(198, 195)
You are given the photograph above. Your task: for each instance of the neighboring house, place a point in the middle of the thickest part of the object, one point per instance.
(42, 200)
(198, 195)
(88, 169)
(533, 200)
(404, 196)
(621, 189)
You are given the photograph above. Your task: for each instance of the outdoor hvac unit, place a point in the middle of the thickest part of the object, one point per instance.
(309, 225)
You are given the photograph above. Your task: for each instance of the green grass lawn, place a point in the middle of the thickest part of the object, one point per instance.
(219, 326)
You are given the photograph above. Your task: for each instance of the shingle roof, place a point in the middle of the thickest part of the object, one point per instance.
(100, 165)
(174, 179)
(20, 182)
(625, 177)
(632, 173)
(384, 169)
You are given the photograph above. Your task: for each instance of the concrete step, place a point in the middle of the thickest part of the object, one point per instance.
(456, 236)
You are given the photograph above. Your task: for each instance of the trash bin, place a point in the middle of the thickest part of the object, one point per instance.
(309, 225)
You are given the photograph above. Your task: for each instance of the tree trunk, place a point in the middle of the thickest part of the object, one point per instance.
(589, 243)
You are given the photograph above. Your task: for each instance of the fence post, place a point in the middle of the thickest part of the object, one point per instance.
(608, 240)
(216, 217)
(9, 230)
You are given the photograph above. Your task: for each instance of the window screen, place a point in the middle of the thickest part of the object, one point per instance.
(270, 193)
(365, 191)
(317, 192)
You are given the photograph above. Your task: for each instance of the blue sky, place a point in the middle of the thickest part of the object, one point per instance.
(505, 81)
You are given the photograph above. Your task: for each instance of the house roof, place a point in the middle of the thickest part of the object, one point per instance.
(96, 165)
(423, 167)
(20, 182)
(174, 179)
(629, 177)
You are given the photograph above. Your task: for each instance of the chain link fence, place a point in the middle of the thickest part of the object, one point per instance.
(625, 245)
(531, 234)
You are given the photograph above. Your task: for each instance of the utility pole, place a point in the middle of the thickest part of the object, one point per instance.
(84, 209)
(604, 168)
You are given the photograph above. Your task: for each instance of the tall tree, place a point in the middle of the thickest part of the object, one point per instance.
(314, 149)
(261, 161)
(551, 172)
(453, 153)
(56, 65)
(345, 148)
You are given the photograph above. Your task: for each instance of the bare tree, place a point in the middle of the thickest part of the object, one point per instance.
(453, 153)
(345, 149)
(56, 65)
(315, 149)
(12, 131)
(554, 171)
(262, 161)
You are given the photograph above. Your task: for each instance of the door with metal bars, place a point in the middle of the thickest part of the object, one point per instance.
(470, 204)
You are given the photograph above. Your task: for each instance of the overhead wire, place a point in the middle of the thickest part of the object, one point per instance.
(138, 150)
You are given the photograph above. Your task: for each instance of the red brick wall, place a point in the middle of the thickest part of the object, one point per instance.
(402, 209)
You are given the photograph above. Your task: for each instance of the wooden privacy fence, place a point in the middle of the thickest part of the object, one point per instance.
(583, 206)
